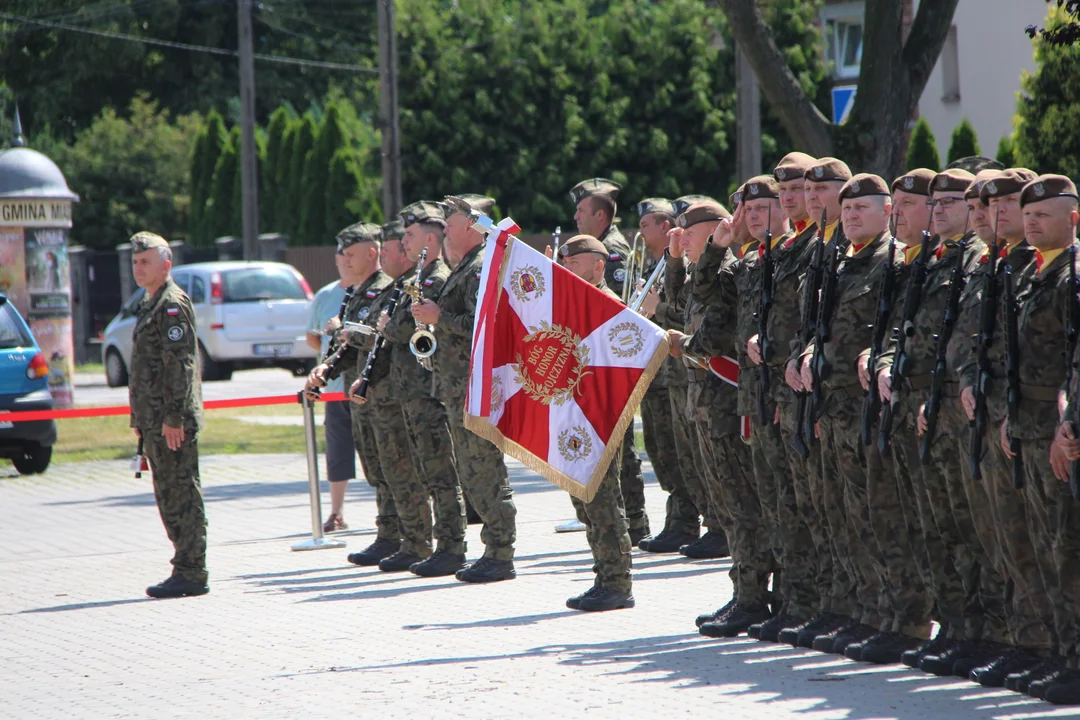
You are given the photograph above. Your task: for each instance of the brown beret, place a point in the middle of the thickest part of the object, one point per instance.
(595, 186)
(864, 185)
(582, 244)
(828, 168)
(659, 206)
(704, 211)
(423, 211)
(916, 182)
(793, 166)
(952, 180)
(468, 203)
(143, 241)
(358, 233)
(976, 186)
(1045, 187)
(737, 197)
(1005, 182)
(762, 186)
(687, 200)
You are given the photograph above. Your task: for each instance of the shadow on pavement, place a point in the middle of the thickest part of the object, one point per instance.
(519, 621)
(84, 606)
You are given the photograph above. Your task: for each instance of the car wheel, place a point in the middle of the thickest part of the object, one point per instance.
(116, 374)
(213, 371)
(34, 459)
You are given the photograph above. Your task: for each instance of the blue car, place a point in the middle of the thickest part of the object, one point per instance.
(24, 385)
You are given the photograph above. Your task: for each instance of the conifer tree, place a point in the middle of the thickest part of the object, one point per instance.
(922, 148)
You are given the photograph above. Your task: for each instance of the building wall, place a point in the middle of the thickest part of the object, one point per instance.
(992, 50)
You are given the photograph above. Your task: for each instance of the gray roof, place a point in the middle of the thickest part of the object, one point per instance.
(26, 173)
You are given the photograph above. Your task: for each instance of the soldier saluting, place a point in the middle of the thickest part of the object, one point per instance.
(167, 412)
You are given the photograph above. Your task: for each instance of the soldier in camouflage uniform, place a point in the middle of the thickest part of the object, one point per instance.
(167, 413)
(667, 439)
(480, 464)
(714, 325)
(865, 208)
(595, 208)
(604, 516)
(359, 243)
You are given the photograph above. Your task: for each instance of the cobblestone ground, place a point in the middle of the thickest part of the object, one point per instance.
(303, 634)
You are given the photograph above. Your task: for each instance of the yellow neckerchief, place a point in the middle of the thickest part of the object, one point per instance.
(1043, 259)
(911, 252)
(778, 239)
(830, 230)
(746, 247)
(854, 249)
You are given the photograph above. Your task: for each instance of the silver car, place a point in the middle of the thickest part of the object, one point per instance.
(247, 314)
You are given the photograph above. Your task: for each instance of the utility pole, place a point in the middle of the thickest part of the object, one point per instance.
(747, 119)
(388, 110)
(249, 166)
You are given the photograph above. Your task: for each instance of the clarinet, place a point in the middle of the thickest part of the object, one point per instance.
(380, 340)
(335, 349)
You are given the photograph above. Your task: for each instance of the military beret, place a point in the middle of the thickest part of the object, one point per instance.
(975, 188)
(1005, 182)
(828, 168)
(952, 180)
(687, 200)
(975, 164)
(736, 198)
(793, 166)
(762, 186)
(143, 241)
(423, 211)
(467, 204)
(660, 206)
(358, 233)
(916, 182)
(704, 211)
(864, 185)
(1045, 187)
(595, 186)
(393, 230)
(582, 244)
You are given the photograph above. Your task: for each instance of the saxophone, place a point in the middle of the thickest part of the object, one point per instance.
(422, 344)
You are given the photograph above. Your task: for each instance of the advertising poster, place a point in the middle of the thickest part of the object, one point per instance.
(55, 338)
(48, 279)
(13, 268)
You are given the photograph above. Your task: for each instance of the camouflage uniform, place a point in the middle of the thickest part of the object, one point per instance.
(1001, 522)
(480, 464)
(349, 367)
(164, 389)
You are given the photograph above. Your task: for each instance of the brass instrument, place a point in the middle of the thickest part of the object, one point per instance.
(656, 276)
(555, 243)
(422, 344)
(634, 264)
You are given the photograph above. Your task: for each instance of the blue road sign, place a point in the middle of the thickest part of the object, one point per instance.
(843, 97)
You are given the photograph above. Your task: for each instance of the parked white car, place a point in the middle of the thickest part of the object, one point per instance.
(247, 314)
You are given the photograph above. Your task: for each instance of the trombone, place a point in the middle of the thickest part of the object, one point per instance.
(422, 344)
(634, 265)
(657, 276)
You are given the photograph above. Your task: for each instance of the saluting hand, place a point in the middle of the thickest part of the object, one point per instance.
(174, 437)
(724, 234)
(674, 237)
(426, 312)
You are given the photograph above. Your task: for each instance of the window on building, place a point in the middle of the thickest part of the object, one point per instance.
(950, 68)
(842, 24)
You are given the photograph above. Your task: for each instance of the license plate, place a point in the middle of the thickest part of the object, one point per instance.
(6, 425)
(273, 349)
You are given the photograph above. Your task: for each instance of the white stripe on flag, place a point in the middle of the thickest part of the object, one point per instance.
(634, 336)
(569, 419)
(536, 306)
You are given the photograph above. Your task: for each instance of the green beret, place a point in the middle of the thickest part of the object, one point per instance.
(916, 182)
(1045, 187)
(975, 164)
(358, 233)
(595, 186)
(423, 211)
(793, 166)
(864, 185)
(393, 230)
(1005, 182)
(952, 180)
(468, 203)
(143, 241)
(686, 201)
(762, 186)
(828, 168)
(659, 206)
(582, 244)
(704, 211)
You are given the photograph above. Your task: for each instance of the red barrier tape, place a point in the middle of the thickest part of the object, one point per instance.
(28, 415)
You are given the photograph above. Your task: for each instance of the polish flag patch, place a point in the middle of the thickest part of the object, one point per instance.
(172, 312)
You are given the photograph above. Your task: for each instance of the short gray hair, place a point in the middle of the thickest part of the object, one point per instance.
(165, 253)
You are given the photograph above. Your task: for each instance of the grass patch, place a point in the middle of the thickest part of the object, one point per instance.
(93, 367)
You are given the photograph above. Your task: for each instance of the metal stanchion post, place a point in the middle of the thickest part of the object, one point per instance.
(317, 541)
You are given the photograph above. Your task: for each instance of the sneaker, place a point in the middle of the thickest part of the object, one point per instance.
(994, 673)
(574, 603)
(177, 586)
(714, 615)
(666, 542)
(737, 620)
(399, 561)
(712, 544)
(570, 526)
(441, 563)
(376, 551)
(605, 599)
(486, 570)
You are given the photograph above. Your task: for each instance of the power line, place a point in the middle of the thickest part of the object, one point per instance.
(302, 62)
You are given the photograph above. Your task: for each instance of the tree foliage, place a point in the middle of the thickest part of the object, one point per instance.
(1006, 155)
(922, 148)
(220, 213)
(964, 142)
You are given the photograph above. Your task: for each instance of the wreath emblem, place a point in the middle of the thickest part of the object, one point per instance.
(527, 283)
(575, 444)
(626, 340)
(555, 366)
(496, 393)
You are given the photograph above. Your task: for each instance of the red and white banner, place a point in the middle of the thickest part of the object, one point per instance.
(558, 367)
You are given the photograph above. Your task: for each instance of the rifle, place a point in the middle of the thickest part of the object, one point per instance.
(902, 361)
(819, 367)
(800, 437)
(872, 399)
(380, 341)
(1072, 332)
(767, 296)
(957, 283)
(1012, 370)
(982, 342)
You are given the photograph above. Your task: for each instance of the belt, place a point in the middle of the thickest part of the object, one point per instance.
(951, 389)
(845, 392)
(1039, 393)
(920, 382)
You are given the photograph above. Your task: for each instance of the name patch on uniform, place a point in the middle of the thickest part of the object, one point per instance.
(172, 312)
(175, 333)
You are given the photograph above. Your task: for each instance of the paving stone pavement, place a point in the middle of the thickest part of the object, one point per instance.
(303, 634)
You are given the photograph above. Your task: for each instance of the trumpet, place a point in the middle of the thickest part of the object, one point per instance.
(634, 264)
(422, 344)
(656, 276)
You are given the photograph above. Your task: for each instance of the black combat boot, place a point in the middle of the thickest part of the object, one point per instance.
(1021, 680)
(574, 603)
(486, 570)
(1065, 690)
(980, 654)
(712, 544)
(177, 586)
(886, 648)
(769, 631)
(852, 636)
(667, 541)
(737, 620)
(803, 635)
(399, 561)
(606, 599)
(824, 641)
(638, 534)
(441, 562)
(715, 614)
(911, 658)
(993, 674)
(376, 551)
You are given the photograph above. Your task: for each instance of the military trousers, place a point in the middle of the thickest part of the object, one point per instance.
(1029, 608)
(659, 430)
(791, 543)
(690, 462)
(633, 483)
(367, 447)
(485, 483)
(178, 492)
(607, 532)
(402, 475)
(433, 451)
(851, 518)
(728, 466)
